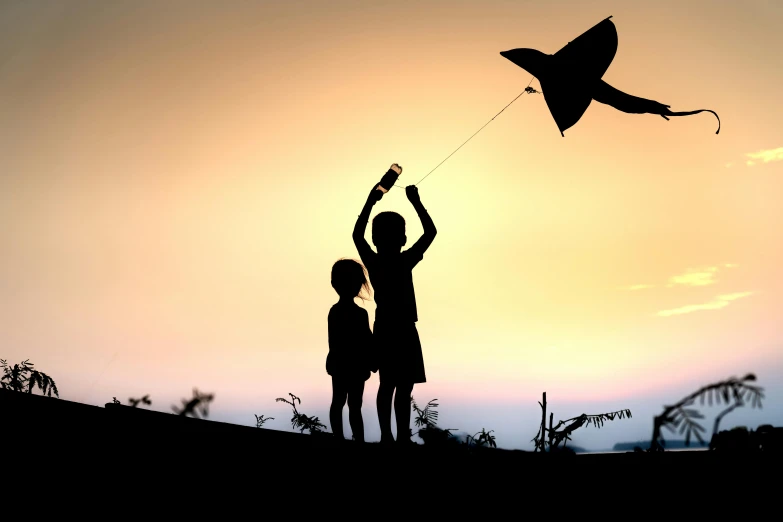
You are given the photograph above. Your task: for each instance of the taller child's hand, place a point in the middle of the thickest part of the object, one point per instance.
(413, 194)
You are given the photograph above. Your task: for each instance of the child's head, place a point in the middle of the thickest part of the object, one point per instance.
(388, 231)
(349, 279)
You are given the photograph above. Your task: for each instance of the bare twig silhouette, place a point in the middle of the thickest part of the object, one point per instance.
(679, 416)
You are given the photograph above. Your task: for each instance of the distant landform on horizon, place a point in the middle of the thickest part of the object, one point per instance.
(670, 444)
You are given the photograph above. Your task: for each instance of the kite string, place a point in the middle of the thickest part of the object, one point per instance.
(527, 89)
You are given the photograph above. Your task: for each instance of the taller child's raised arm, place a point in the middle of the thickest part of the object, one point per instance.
(430, 231)
(365, 252)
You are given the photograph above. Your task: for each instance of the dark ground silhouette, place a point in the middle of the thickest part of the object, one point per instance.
(128, 455)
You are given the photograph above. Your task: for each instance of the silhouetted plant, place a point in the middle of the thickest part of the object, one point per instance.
(144, 400)
(483, 438)
(740, 439)
(553, 436)
(23, 375)
(428, 416)
(261, 420)
(301, 421)
(679, 416)
(426, 419)
(198, 405)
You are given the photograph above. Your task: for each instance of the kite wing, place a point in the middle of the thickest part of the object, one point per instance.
(574, 72)
(567, 101)
(590, 54)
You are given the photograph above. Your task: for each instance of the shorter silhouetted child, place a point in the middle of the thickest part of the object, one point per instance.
(350, 354)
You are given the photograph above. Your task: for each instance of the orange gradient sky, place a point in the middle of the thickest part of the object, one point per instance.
(177, 178)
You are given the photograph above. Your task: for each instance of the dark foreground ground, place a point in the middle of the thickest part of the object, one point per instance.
(126, 452)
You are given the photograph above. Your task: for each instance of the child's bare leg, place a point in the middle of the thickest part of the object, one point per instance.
(402, 411)
(339, 395)
(383, 402)
(355, 394)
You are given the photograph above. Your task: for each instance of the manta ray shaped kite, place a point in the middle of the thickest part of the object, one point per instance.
(571, 78)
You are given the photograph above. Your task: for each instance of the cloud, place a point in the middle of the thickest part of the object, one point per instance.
(764, 156)
(703, 276)
(719, 302)
(695, 277)
(637, 287)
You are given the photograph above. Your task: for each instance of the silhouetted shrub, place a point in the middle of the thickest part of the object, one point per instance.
(23, 377)
(261, 420)
(482, 438)
(551, 438)
(426, 419)
(198, 405)
(301, 421)
(144, 400)
(679, 416)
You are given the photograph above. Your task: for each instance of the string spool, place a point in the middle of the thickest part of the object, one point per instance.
(390, 178)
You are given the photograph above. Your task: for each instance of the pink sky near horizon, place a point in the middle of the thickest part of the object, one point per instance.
(176, 180)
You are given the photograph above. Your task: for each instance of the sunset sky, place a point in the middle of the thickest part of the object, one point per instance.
(177, 178)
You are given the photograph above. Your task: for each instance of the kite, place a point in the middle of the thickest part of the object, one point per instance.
(571, 78)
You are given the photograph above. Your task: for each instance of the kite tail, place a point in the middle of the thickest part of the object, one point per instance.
(688, 113)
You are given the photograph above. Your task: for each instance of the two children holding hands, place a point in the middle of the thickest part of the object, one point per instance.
(393, 348)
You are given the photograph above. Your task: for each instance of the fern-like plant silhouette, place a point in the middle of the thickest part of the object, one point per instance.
(198, 405)
(427, 417)
(261, 420)
(553, 436)
(24, 377)
(301, 421)
(733, 390)
(426, 420)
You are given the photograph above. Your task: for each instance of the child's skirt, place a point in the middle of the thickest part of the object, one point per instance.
(398, 353)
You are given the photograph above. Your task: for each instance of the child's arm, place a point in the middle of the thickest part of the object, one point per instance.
(371, 357)
(430, 231)
(334, 332)
(365, 252)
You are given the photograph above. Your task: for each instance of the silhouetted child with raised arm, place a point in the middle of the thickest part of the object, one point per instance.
(396, 340)
(349, 360)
